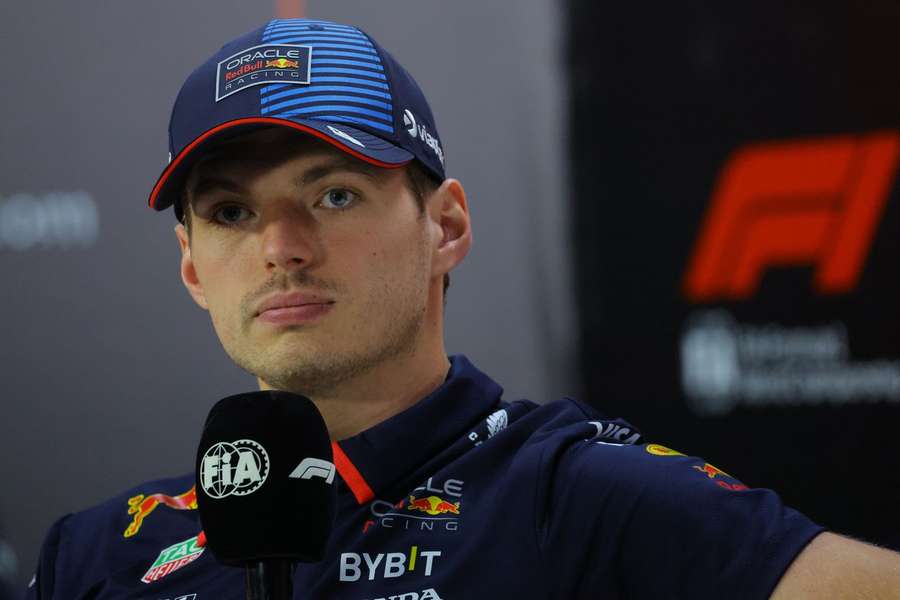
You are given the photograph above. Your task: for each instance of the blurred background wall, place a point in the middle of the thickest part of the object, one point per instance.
(108, 368)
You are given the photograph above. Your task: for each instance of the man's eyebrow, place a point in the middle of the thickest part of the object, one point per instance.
(323, 170)
(212, 182)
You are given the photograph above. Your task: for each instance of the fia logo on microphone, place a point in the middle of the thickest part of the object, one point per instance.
(236, 468)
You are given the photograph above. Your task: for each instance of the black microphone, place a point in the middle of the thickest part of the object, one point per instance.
(265, 487)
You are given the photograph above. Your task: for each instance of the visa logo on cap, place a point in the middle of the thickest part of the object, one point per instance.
(266, 63)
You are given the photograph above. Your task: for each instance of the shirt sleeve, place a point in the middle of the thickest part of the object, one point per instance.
(644, 521)
(43, 584)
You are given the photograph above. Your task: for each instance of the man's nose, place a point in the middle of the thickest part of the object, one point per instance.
(290, 240)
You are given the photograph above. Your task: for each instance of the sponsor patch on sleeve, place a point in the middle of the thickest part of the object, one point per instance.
(263, 64)
(174, 558)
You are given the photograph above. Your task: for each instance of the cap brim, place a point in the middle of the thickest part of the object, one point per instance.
(355, 142)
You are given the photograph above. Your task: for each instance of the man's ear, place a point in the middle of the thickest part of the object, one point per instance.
(188, 271)
(449, 212)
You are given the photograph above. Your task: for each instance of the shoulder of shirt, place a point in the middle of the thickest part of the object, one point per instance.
(91, 544)
(568, 421)
(113, 512)
(577, 448)
(598, 489)
(543, 441)
(567, 447)
(570, 451)
(581, 432)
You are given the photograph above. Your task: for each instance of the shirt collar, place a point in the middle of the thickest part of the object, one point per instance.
(374, 459)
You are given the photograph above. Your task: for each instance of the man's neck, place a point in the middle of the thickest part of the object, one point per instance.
(380, 393)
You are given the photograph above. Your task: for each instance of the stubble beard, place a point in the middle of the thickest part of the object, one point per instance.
(321, 371)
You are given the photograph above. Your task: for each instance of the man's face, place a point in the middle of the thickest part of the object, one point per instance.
(281, 217)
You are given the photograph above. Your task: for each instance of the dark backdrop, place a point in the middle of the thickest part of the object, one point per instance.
(791, 383)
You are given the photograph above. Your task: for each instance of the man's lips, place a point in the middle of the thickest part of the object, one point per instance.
(295, 315)
(292, 300)
(295, 308)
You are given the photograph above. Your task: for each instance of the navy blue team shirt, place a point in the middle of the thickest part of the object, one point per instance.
(466, 496)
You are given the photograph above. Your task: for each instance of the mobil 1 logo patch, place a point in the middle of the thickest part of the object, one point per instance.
(266, 63)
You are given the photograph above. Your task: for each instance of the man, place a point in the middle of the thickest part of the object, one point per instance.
(318, 228)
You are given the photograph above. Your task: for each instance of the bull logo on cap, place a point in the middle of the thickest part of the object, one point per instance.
(283, 63)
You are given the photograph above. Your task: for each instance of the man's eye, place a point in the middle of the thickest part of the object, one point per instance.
(230, 215)
(338, 198)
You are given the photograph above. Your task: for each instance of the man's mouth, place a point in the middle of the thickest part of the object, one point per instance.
(295, 308)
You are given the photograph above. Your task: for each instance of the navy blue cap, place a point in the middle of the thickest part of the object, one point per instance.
(328, 80)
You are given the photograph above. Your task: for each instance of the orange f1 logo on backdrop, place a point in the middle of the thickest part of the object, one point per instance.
(795, 203)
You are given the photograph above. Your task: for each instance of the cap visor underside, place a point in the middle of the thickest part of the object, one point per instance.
(355, 142)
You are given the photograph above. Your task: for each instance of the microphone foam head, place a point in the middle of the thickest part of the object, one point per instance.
(265, 479)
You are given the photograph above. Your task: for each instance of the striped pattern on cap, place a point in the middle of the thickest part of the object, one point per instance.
(348, 80)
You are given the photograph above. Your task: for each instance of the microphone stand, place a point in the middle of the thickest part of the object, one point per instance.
(270, 580)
